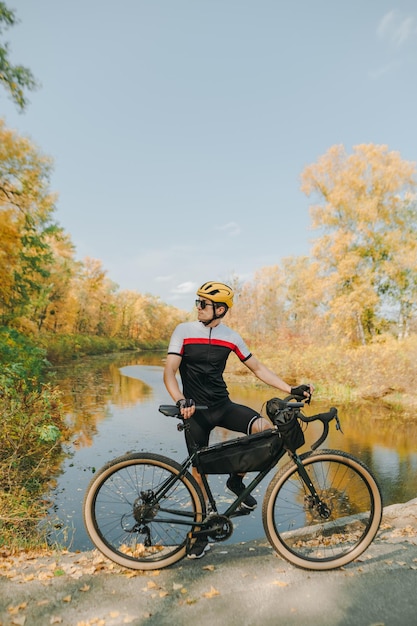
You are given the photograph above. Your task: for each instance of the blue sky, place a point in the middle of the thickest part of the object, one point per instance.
(179, 128)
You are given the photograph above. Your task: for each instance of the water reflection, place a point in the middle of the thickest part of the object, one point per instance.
(112, 407)
(91, 387)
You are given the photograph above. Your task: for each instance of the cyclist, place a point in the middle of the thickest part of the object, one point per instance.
(199, 351)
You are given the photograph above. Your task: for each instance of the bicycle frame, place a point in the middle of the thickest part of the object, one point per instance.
(234, 509)
(231, 511)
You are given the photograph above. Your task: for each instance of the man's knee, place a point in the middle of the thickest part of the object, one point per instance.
(259, 425)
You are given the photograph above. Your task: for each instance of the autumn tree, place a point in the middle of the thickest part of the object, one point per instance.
(26, 208)
(94, 291)
(366, 250)
(303, 296)
(14, 78)
(260, 309)
(52, 307)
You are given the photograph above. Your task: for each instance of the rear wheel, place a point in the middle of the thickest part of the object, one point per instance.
(138, 513)
(333, 530)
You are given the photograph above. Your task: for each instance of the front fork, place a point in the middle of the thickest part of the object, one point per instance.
(313, 500)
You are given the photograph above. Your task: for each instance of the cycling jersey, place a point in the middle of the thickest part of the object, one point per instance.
(204, 352)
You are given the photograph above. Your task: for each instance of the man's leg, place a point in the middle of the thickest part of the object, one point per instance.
(197, 476)
(235, 481)
(259, 425)
(199, 434)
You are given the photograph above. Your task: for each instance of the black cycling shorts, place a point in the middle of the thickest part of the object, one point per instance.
(229, 415)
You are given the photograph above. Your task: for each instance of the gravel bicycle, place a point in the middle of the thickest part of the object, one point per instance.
(320, 511)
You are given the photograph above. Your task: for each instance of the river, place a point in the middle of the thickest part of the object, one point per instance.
(112, 407)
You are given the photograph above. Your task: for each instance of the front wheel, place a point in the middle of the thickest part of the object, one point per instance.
(328, 523)
(139, 513)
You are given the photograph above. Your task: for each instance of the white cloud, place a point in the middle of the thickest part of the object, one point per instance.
(184, 288)
(385, 24)
(231, 228)
(397, 28)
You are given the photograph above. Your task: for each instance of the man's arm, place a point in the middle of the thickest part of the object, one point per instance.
(270, 378)
(266, 375)
(172, 364)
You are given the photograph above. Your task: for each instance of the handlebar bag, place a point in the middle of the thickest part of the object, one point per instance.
(251, 453)
(287, 423)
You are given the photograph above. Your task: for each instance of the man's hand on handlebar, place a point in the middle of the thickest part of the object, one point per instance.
(303, 392)
(187, 407)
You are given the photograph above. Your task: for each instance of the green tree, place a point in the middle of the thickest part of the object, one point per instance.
(367, 247)
(14, 78)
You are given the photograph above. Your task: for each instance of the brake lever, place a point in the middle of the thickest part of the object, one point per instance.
(338, 426)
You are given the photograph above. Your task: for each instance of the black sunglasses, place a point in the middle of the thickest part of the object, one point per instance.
(202, 304)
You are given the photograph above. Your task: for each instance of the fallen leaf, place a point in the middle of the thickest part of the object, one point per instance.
(280, 583)
(177, 586)
(28, 578)
(55, 619)
(210, 594)
(67, 599)
(85, 588)
(210, 568)
(13, 610)
(151, 585)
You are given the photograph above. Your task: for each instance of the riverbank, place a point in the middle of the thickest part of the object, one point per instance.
(242, 584)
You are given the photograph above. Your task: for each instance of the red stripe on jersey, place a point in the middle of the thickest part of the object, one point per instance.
(215, 342)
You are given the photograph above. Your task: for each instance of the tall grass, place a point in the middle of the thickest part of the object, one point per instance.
(32, 430)
(384, 370)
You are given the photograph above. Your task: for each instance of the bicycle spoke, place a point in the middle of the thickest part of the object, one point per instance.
(332, 527)
(126, 519)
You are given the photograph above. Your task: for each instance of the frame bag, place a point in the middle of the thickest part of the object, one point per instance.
(252, 453)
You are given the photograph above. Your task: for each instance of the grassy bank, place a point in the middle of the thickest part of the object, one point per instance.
(33, 426)
(30, 451)
(66, 348)
(384, 372)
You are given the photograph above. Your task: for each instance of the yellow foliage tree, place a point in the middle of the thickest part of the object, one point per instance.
(366, 251)
(260, 308)
(26, 208)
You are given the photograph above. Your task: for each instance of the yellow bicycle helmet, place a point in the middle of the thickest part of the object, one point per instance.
(217, 292)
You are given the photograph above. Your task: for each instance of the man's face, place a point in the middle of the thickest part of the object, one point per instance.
(205, 309)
